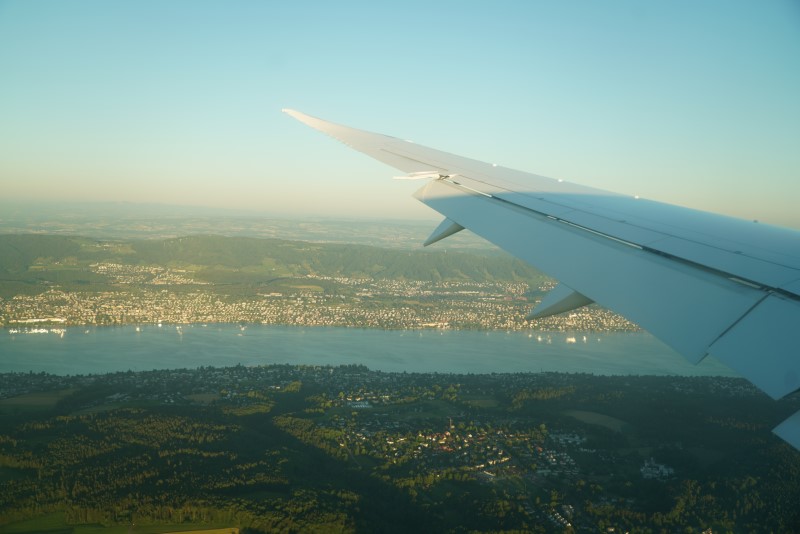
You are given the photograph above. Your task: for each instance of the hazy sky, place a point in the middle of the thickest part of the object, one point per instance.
(691, 102)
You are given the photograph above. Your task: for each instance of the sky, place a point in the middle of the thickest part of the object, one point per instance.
(692, 102)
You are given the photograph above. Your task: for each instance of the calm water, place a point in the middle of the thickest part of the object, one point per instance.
(106, 349)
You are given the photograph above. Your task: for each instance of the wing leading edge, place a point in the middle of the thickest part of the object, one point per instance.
(700, 282)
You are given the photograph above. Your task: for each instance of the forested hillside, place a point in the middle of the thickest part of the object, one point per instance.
(21, 253)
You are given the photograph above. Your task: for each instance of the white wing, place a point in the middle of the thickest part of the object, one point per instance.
(702, 283)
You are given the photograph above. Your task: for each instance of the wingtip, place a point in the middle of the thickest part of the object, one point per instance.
(308, 120)
(299, 115)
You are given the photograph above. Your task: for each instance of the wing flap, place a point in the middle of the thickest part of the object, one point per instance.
(792, 287)
(735, 263)
(762, 347)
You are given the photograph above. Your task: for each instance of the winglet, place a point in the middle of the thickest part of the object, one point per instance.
(559, 300)
(314, 122)
(445, 229)
(384, 148)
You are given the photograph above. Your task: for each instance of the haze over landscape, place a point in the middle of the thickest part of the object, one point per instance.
(179, 102)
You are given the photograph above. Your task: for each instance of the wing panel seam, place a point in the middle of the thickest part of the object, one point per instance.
(729, 276)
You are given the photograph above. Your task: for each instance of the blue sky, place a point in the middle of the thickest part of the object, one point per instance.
(178, 102)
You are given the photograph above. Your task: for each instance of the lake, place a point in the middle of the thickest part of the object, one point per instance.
(82, 350)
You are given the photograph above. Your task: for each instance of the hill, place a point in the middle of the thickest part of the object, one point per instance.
(29, 263)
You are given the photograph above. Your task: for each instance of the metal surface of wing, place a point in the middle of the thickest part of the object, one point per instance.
(702, 283)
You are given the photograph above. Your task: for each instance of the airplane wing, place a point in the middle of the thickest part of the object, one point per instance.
(702, 283)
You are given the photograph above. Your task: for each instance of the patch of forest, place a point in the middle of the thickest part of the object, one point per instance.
(345, 449)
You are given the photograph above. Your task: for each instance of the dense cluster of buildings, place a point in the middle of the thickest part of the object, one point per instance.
(151, 295)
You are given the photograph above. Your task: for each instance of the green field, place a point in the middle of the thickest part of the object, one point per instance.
(594, 418)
